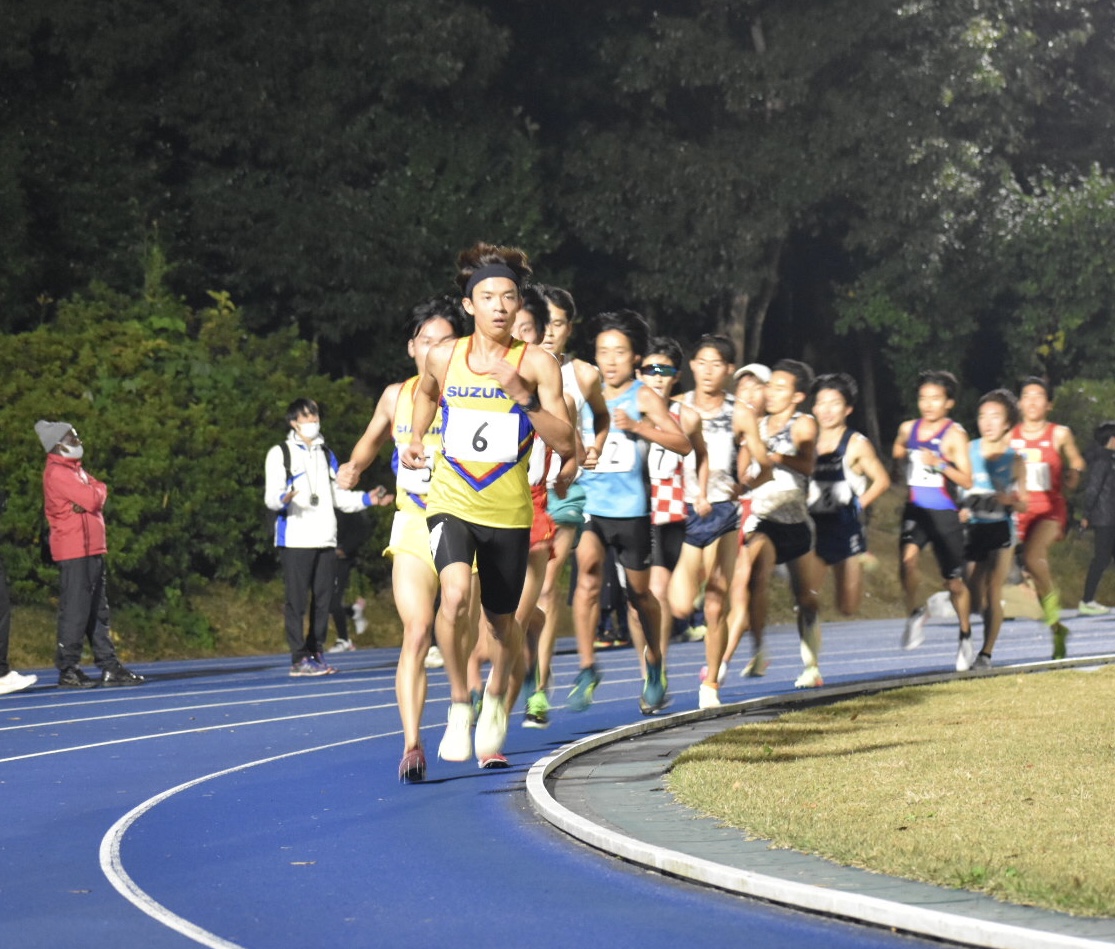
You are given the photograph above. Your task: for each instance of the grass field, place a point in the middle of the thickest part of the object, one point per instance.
(1001, 785)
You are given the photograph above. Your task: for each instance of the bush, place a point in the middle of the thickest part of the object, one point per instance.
(177, 409)
(1082, 404)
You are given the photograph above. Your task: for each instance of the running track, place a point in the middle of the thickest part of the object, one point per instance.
(226, 804)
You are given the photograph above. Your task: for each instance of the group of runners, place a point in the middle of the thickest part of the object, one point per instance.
(510, 456)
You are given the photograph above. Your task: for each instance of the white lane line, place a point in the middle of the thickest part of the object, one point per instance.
(132, 695)
(195, 731)
(113, 867)
(191, 708)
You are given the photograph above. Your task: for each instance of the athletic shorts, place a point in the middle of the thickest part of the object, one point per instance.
(629, 537)
(410, 535)
(1042, 507)
(500, 554)
(941, 529)
(665, 544)
(705, 531)
(790, 541)
(542, 528)
(570, 510)
(983, 538)
(839, 535)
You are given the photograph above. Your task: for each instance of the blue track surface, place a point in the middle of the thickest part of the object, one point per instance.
(239, 807)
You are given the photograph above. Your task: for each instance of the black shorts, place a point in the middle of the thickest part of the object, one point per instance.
(839, 535)
(500, 552)
(665, 544)
(982, 539)
(790, 541)
(941, 529)
(629, 537)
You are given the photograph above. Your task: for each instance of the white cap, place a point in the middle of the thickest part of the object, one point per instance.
(756, 369)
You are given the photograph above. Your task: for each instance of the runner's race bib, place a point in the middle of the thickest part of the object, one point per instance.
(476, 435)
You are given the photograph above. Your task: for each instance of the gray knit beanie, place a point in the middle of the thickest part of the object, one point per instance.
(51, 433)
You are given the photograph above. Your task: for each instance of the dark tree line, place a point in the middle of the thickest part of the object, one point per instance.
(872, 185)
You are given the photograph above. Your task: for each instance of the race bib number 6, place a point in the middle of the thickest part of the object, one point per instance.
(475, 435)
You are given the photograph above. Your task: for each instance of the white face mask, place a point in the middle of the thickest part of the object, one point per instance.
(72, 451)
(309, 430)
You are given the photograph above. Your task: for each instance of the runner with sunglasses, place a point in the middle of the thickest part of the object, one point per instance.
(666, 470)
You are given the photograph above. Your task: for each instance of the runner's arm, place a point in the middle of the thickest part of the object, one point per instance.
(804, 434)
(546, 407)
(588, 378)
(691, 425)
(867, 462)
(657, 424)
(1072, 456)
(957, 463)
(899, 451)
(426, 395)
(377, 432)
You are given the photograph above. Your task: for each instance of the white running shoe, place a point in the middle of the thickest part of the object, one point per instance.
(342, 645)
(965, 655)
(723, 673)
(358, 619)
(456, 743)
(913, 635)
(756, 667)
(809, 679)
(16, 682)
(1092, 608)
(708, 697)
(810, 643)
(696, 634)
(434, 659)
(491, 726)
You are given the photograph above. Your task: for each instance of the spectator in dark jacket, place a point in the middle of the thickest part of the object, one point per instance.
(74, 501)
(1099, 515)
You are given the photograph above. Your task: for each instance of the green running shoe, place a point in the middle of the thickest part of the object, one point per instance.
(538, 710)
(584, 685)
(1060, 634)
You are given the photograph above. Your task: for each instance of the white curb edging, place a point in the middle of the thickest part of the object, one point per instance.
(868, 909)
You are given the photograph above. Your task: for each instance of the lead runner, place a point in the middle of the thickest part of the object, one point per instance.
(495, 392)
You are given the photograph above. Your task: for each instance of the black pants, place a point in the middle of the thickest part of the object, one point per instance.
(83, 613)
(1102, 553)
(308, 579)
(337, 608)
(5, 622)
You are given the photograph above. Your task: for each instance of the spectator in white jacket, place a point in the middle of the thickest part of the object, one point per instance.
(300, 487)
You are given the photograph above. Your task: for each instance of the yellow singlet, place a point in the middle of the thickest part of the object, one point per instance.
(412, 485)
(480, 475)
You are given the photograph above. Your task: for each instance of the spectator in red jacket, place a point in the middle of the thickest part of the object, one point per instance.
(74, 502)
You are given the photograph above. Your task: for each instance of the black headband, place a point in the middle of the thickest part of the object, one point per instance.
(490, 270)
